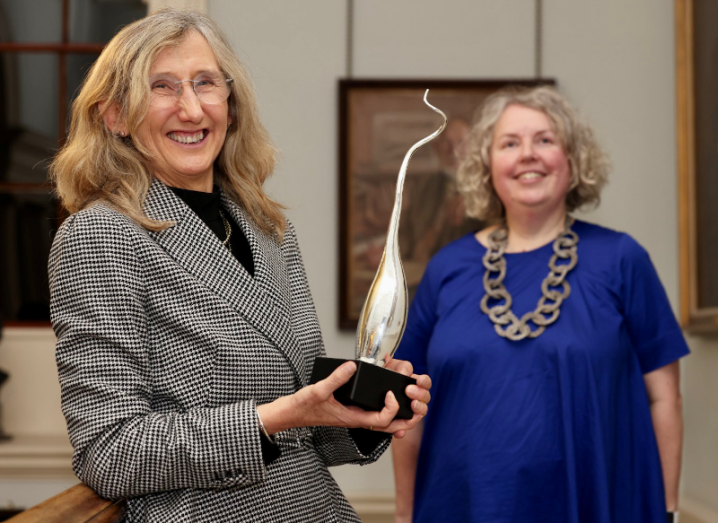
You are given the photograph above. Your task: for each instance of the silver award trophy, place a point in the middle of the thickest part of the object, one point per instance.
(382, 319)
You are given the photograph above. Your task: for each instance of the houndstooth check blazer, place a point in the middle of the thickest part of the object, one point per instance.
(166, 345)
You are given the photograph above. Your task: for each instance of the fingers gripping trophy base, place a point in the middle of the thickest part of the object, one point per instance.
(368, 387)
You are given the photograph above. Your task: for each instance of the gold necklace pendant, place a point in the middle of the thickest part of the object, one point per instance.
(547, 311)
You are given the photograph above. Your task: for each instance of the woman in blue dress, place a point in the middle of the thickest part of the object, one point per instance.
(550, 341)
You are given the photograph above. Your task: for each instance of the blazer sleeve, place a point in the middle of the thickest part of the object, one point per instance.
(335, 445)
(122, 447)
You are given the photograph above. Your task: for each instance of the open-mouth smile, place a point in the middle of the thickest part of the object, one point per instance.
(188, 138)
(530, 176)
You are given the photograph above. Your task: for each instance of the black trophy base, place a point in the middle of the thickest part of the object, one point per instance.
(368, 387)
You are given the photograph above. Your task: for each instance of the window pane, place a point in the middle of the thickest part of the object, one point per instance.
(28, 121)
(27, 226)
(92, 21)
(31, 129)
(32, 20)
(78, 65)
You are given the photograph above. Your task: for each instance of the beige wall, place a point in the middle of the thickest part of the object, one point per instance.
(614, 59)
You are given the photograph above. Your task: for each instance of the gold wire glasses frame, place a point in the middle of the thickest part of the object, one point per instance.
(210, 89)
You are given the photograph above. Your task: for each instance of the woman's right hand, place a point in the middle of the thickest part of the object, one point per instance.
(315, 405)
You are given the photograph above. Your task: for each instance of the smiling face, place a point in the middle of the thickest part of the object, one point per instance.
(529, 168)
(185, 138)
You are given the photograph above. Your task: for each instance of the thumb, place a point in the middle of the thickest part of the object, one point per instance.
(340, 376)
(391, 402)
(391, 407)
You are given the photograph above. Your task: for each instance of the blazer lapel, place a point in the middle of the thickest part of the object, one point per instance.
(266, 253)
(263, 300)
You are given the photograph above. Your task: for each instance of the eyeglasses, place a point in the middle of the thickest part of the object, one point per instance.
(209, 88)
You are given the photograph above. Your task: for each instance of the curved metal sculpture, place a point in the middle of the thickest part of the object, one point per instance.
(383, 316)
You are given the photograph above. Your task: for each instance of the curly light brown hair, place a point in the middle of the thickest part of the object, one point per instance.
(588, 162)
(97, 165)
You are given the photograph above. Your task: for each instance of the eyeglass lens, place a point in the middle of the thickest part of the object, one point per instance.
(210, 89)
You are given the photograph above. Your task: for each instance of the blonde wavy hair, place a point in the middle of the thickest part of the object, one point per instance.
(96, 165)
(589, 163)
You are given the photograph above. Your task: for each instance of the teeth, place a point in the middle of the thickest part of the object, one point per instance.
(183, 138)
(530, 176)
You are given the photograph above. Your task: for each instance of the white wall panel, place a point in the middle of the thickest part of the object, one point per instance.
(448, 39)
(616, 64)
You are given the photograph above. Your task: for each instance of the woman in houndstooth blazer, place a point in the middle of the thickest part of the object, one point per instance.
(186, 330)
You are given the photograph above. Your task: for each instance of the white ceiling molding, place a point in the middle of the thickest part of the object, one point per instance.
(153, 5)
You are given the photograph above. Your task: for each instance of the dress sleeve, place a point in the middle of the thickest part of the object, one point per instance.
(656, 336)
(122, 446)
(421, 320)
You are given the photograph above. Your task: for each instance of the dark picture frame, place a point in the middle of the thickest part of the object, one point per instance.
(697, 136)
(379, 120)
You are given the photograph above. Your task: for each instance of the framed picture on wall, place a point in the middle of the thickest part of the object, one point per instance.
(379, 121)
(697, 134)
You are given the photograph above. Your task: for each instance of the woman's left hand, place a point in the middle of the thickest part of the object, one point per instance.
(419, 394)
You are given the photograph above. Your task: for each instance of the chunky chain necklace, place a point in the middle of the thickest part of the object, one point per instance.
(505, 321)
(227, 231)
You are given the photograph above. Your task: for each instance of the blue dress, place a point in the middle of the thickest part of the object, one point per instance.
(551, 429)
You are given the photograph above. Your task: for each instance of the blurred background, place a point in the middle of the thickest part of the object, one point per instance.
(615, 60)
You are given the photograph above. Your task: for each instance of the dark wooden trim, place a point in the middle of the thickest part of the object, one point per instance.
(68, 48)
(27, 324)
(685, 151)
(694, 317)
